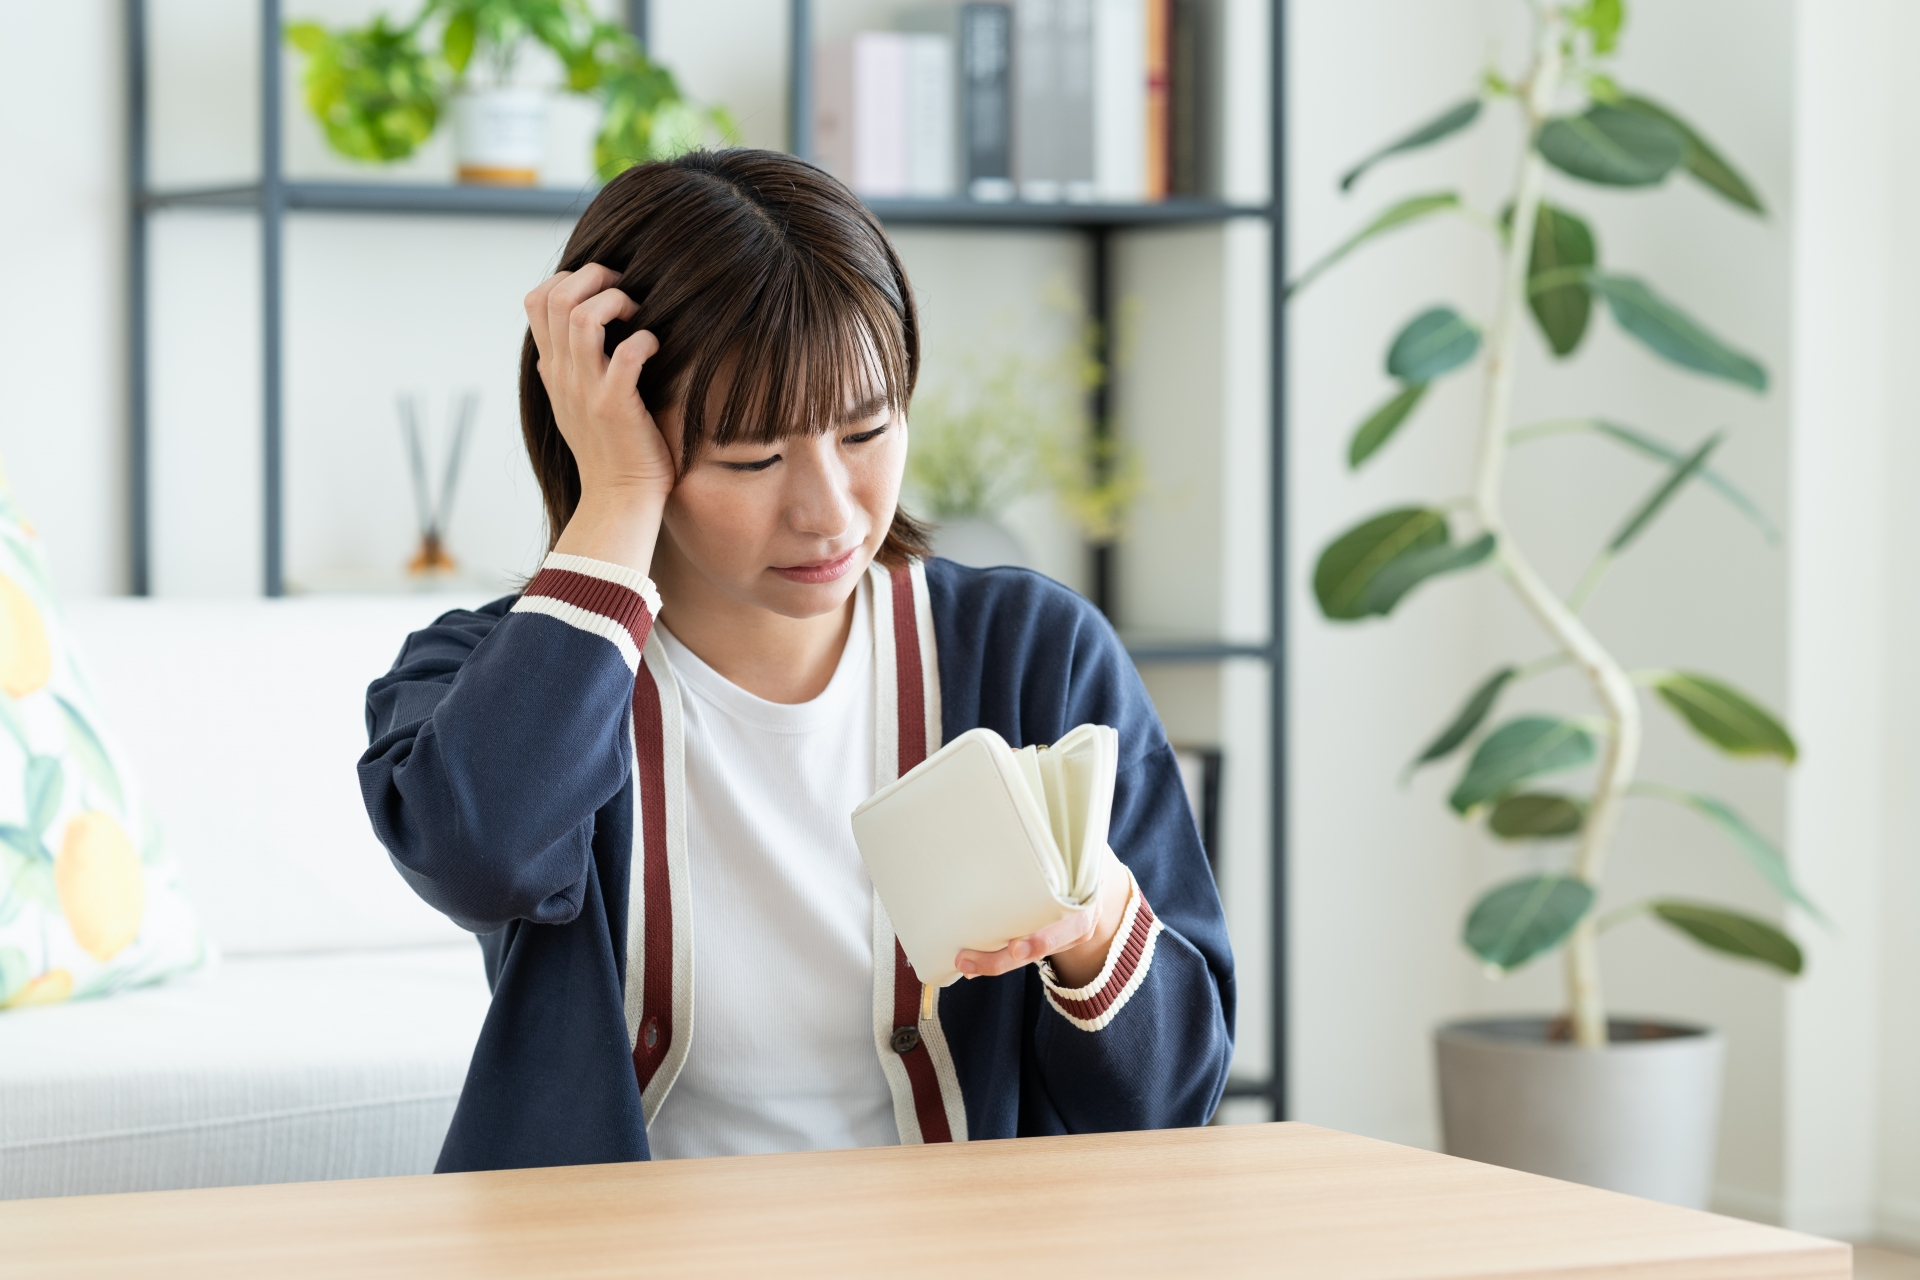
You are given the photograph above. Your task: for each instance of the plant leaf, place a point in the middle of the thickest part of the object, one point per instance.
(1434, 342)
(1518, 750)
(1663, 493)
(1383, 422)
(1348, 565)
(1467, 719)
(1406, 571)
(10, 721)
(1516, 921)
(1536, 815)
(1611, 146)
(22, 841)
(1703, 162)
(307, 37)
(1447, 123)
(1652, 447)
(1725, 716)
(1603, 19)
(1398, 215)
(91, 753)
(456, 42)
(45, 784)
(1561, 242)
(1671, 333)
(1733, 933)
(1762, 853)
(14, 972)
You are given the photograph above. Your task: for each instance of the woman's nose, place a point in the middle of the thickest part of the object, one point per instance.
(820, 497)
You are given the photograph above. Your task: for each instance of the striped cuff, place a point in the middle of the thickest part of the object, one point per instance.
(1095, 1005)
(614, 602)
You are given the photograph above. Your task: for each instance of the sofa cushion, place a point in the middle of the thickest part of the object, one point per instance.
(244, 718)
(88, 902)
(269, 1069)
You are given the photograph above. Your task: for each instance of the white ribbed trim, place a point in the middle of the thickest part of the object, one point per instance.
(586, 620)
(632, 579)
(679, 882)
(932, 1034)
(1056, 992)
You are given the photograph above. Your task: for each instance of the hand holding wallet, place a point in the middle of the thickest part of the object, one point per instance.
(982, 843)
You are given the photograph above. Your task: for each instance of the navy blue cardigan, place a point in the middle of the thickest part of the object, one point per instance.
(500, 777)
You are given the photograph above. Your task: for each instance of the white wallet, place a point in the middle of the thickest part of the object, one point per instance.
(980, 844)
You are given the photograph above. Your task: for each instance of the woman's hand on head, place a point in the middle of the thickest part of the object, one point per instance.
(626, 469)
(1077, 944)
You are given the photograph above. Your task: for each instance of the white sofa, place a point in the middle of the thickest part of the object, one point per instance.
(331, 1039)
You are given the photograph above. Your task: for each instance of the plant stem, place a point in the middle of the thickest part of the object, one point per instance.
(1611, 686)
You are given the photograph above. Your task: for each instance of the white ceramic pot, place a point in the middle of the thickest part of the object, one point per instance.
(1638, 1116)
(979, 542)
(500, 136)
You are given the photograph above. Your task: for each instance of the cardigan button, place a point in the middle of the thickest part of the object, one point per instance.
(651, 1036)
(905, 1039)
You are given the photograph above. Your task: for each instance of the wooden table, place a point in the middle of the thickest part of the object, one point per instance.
(1284, 1199)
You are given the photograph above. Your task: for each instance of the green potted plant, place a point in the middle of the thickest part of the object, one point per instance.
(1010, 427)
(1618, 1103)
(379, 90)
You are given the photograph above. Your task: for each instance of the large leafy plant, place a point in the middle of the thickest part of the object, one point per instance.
(1578, 124)
(377, 90)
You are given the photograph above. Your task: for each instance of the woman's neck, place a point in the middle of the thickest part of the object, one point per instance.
(772, 656)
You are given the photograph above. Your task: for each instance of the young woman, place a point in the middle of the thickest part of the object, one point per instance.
(634, 780)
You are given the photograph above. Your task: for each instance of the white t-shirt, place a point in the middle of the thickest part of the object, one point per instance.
(782, 1056)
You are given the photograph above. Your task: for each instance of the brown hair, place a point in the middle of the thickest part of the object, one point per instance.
(751, 267)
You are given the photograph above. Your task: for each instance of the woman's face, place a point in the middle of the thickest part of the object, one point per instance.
(790, 526)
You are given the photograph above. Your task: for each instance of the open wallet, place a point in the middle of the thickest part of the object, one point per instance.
(982, 843)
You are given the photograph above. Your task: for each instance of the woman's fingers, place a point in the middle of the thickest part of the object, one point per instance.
(630, 357)
(586, 333)
(1069, 931)
(549, 305)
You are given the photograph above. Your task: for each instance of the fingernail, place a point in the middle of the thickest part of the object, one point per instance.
(968, 967)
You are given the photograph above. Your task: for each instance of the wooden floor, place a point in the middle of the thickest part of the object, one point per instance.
(1286, 1199)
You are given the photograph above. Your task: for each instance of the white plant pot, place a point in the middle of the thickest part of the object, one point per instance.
(1639, 1116)
(500, 136)
(978, 542)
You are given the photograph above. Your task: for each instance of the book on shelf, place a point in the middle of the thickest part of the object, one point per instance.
(980, 45)
(1046, 100)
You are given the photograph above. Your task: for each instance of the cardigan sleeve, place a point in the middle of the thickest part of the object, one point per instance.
(496, 737)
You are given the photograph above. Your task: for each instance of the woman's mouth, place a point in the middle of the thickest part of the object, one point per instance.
(818, 571)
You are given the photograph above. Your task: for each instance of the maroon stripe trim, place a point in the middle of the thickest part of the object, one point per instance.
(656, 997)
(911, 698)
(596, 595)
(1100, 1001)
(912, 695)
(927, 1105)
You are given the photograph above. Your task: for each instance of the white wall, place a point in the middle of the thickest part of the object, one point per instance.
(62, 304)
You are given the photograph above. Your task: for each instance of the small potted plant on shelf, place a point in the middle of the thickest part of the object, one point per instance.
(379, 90)
(1018, 428)
(1621, 1103)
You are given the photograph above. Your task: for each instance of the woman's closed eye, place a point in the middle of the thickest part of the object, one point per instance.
(762, 464)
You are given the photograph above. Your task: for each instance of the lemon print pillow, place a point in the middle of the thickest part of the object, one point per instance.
(87, 904)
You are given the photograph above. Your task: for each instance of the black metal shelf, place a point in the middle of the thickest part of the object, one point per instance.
(563, 202)
(275, 196)
(1145, 651)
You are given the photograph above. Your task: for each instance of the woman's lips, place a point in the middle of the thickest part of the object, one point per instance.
(819, 571)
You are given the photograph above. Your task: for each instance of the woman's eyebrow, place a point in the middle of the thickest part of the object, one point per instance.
(865, 409)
